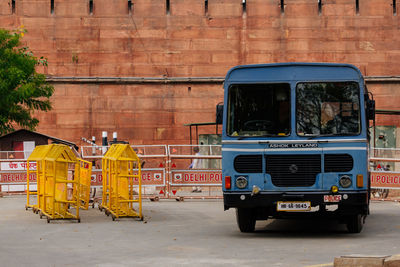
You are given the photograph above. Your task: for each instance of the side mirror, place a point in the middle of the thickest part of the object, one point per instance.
(219, 113)
(370, 110)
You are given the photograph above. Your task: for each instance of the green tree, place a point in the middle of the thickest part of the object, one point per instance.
(22, 89)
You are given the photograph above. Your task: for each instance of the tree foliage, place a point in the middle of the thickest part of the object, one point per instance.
(22, 89)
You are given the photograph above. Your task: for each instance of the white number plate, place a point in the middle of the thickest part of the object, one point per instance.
(293, 206)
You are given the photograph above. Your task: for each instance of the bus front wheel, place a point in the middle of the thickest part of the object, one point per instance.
(246, 220)
(355, 223)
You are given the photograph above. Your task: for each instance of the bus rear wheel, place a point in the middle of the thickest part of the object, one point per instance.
(246, 220)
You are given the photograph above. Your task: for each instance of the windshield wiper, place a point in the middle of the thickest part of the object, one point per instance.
(320, 135)
(325, 135)
(268, 135)
(257, 136)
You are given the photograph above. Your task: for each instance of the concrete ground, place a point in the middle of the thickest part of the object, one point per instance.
(188, 233)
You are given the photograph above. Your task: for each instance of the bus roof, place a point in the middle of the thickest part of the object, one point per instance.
(285, 72)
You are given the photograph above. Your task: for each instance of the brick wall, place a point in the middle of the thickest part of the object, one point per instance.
(189, 41)
(142, 114)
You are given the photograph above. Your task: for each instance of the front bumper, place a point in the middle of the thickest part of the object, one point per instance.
(355, 202)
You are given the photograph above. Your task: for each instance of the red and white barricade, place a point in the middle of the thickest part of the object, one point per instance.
(180, 171)
(385, 171)
(195, 171)
(13, 171)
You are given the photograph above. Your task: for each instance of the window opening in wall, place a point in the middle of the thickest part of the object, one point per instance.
(52, 6)
(244, 8)
(282, 6)
(167, 6)
(91, 7)
(129, 7)
(206, 7)
(13, 6)
(394, 7)
(357, 7)
(319, 7)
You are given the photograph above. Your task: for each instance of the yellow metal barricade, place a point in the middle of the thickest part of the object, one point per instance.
(36, 157)
(85, 171)
(59, 174)
(121, 168)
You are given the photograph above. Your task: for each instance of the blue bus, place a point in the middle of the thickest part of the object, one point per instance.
(295, 143)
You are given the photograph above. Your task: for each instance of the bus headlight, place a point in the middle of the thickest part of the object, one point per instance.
(241, 182)
(345, 181)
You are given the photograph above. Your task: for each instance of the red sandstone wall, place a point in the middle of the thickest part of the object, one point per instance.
(187, 42)
(387, 97)
(190, 43)
(150, 114)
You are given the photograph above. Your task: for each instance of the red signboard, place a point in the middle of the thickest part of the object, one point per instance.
(385, 180)
(11, 178)
(149, 177)
(16, 166)
(97, 178)
(198, 177)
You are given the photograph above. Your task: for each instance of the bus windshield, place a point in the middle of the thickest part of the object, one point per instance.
(327, 108)
(259, 110)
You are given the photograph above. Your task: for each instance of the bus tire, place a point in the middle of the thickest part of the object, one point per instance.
(355, 223)
(246, 220)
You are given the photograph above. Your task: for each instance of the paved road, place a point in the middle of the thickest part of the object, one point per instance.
(189, 233)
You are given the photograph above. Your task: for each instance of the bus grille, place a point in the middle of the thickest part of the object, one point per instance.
(338, 163)
(293, 170)
(248, 163)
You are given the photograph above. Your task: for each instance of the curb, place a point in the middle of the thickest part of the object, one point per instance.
(367, 261)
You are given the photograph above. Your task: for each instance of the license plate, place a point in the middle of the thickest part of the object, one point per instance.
(293, 206)
(332, 198)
